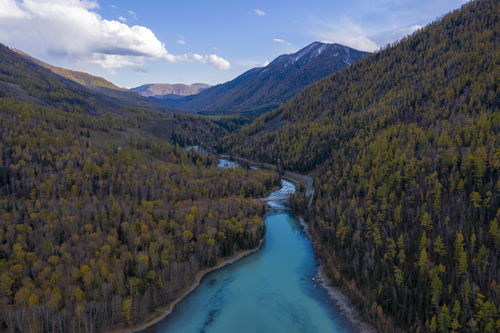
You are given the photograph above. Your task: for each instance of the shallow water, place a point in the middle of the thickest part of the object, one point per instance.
(197, 149)
(226, 164)
(276, 289)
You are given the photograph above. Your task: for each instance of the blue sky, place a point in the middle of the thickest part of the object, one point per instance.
(135, 42)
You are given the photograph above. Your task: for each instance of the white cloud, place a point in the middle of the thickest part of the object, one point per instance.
(347, 33)
(122, 19)
(10, 10)
(258, 12)
(414, 28)
(132, 14)
(112, 62)
(71, 28)
(377, 23)
(281, 41)
(394, 34)
(250, 63)
(218, 62)
(181, 40)
(354, 35)
(211, 59)
(112, 6)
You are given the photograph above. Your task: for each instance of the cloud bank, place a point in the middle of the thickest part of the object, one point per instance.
(73, 28)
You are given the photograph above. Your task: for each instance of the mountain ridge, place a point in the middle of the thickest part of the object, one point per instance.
(23, 79)
(167, 90)
(263, 88)
(106, 89)
(85, 79)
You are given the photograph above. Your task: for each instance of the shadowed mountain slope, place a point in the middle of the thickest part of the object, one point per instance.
(264, 88)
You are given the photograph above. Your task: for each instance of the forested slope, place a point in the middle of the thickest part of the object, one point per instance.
(404, 149)
(100, 222)
(99, 85)
(24, 78)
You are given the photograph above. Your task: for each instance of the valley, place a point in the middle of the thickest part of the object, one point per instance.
(282, 278)
(328, 190)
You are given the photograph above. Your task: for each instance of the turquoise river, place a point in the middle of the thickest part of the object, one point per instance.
(275, 289)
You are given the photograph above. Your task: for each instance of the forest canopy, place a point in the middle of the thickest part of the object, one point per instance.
(101, 224)
(404, 149)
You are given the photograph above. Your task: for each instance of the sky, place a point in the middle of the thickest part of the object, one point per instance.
(132, 42)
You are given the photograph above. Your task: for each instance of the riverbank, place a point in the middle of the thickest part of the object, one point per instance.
(341, 298)
(342, 301)
(296, 178)
(274, 290)
(164, 311)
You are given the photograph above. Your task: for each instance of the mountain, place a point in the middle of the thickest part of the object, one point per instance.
(104, 88)
(403, 147)
(26, 79)
(264, 88)
(85, 79)
(165, 90)
(101, 222)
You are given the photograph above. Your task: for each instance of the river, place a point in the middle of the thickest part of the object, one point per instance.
(274, 290)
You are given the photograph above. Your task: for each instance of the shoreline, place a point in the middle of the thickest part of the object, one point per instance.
(166, 310)
(341, 301)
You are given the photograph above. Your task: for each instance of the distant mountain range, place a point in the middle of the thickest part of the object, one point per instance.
(264, 88)
(173, 91)
(254, 92)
